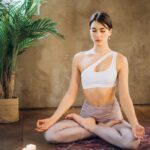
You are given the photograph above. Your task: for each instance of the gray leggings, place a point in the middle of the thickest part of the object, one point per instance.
(119, 135)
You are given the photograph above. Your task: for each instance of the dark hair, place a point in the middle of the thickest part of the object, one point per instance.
(103, 18)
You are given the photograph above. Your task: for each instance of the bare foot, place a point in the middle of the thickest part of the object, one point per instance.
(110, 123)
(88, 123)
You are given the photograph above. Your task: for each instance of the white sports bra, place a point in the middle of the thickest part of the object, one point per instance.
(106, 78)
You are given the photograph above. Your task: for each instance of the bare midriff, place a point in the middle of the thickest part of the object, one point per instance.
(100, 96)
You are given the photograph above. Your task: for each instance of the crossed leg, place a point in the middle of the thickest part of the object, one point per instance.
(117, 133)
(69, 130)
(120, 135)
(66, 131)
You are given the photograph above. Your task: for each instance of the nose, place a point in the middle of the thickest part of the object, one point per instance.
(97, 34)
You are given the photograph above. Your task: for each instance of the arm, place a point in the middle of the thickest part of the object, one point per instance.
(125, 99)
(72, 91)
(67, 101)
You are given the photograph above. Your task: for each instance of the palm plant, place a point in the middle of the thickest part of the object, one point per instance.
(18, 31)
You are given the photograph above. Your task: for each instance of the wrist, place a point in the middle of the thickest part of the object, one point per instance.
(53, 119)
(133, 124)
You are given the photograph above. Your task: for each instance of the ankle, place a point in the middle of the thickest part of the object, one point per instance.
(91, 128)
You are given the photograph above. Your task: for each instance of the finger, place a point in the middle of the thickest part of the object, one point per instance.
(39, 130)
(67, 117)
(43, 128)
(39, 122)
(40, 126)
(140, 135)
(135, 135)
(141, 132)
(141, 138)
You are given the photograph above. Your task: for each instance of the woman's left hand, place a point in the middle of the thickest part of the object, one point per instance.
(138, 131)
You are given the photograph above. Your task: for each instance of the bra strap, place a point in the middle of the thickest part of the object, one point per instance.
(102, 58)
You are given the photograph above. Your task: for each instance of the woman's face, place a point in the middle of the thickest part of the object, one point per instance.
(99, 33)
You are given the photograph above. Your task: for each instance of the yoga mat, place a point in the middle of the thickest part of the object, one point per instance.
(96, 143)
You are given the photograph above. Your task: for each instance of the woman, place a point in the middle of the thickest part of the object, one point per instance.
(100, 71)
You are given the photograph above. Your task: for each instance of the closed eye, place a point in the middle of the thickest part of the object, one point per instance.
(96, 31)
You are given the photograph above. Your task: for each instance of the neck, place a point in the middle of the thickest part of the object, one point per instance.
(101, 49)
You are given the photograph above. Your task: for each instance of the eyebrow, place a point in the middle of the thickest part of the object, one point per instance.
(99, 28)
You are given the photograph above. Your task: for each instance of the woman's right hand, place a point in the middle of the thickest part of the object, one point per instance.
(43, 124)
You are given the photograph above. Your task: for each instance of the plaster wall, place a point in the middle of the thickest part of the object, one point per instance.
(44, 72)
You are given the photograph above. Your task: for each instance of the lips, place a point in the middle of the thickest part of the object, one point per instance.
(97, 40)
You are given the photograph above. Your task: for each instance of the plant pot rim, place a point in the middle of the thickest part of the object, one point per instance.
(13, 98)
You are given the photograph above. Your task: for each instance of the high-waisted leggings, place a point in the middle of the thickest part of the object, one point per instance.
(120, 134)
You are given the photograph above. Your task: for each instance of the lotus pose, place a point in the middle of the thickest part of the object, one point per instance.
(101, 70)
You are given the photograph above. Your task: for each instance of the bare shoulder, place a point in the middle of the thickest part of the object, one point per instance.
(79, 56)
(77, 59)
(122, 60)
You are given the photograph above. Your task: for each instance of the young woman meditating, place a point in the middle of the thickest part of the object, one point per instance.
(101, 70)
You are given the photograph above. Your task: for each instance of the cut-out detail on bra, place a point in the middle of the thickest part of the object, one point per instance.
(105, 78)
(97, 69)
(97, 61)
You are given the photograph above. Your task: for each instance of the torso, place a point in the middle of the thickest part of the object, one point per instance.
(98, 96)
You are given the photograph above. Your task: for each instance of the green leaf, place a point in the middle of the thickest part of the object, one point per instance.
(18, 31)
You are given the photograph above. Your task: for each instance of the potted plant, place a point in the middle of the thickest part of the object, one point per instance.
(18, 31)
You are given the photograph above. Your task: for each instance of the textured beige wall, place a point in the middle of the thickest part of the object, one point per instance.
(43, 72)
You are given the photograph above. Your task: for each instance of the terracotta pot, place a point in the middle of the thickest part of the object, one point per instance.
(9, 110)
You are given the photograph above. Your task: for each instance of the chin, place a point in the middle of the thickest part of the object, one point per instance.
(99, 43)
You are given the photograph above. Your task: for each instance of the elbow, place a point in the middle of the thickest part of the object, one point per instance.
(72, 92)
(70, 96)
(126, 101)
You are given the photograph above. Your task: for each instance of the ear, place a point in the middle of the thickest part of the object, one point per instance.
(110, 32)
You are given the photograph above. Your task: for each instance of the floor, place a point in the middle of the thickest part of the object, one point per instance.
(15, 136)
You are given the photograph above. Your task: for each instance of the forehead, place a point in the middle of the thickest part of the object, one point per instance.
(97, 25)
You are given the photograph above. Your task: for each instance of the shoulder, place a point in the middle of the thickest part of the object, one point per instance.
(121, 57)
(77, 58)
(122, 61)
(80, 55)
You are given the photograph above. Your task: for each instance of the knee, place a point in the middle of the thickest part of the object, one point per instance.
(50, 136)
(129, 141)
(133, 144)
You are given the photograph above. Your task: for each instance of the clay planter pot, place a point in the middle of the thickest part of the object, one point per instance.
(9, 110)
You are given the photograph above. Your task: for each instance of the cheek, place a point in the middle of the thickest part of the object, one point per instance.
(91, 35)
(106, 35)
